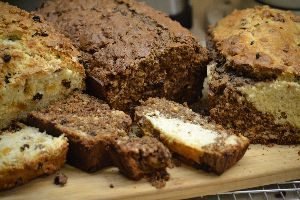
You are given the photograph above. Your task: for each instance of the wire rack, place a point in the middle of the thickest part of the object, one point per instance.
(281, 191)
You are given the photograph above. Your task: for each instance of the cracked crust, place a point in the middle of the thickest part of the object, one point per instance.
(253, 48)
(131, 51)
(259, 42)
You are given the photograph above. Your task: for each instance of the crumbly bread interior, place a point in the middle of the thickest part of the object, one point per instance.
(280, 98)
(37, 64)
(190, 134)
(83, 117)
(19, 148)
(27, 153)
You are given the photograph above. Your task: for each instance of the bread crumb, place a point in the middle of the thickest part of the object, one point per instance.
(60, 179)
(158, 179)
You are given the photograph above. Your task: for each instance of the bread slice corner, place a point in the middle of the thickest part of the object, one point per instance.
(26, 153)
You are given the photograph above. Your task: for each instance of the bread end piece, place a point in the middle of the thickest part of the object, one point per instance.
(36, 154)
(140, 157)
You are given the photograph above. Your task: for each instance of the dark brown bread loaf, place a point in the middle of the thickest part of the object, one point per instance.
(130, 50)
(88, 123)
(254, 87)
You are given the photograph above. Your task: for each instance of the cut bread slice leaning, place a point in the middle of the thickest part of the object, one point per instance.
(26, 153)
(190, 135)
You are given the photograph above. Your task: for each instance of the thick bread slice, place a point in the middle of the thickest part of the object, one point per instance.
(37, 64)
(140, 157)
(88, 123)
(191, 135)
(27, 153)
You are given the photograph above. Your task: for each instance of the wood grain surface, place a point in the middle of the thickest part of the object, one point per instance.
(261, 165)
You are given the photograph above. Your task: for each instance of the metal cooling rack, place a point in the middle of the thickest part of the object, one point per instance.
(281, 191)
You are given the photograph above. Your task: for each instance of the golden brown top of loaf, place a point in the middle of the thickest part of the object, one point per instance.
(29, 45)
(261, 41)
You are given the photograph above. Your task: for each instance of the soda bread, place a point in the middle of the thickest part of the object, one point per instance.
(26, 153)
(254, 87)
(131, 51)
(37, 64)
(190, 135)
(88, 123)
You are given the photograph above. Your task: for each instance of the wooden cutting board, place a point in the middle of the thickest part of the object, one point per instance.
(261, 165)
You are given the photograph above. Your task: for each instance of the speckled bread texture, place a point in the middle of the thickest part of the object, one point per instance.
(131, 51)
(88, 123)
(26, 153)
(190, 135)
(140, 157)
(37, 64)
(254, 87)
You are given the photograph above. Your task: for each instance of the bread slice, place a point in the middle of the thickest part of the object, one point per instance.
(254, 87)
(38, 65)
(26, 153)
(140, 157)
(131, 51)
(88, 123)
(191, 135)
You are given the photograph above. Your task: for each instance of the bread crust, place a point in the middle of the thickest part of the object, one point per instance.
(259, 42)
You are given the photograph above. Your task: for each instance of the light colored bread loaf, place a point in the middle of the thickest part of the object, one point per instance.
(27, 153)
(190, 135)
(38, 65)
